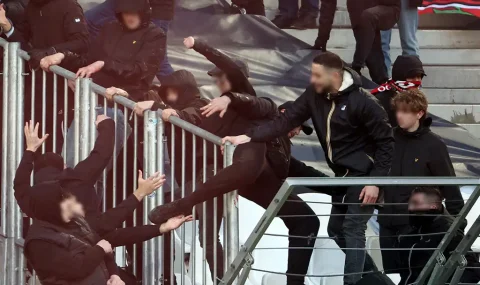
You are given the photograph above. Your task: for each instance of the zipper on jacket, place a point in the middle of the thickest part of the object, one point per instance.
(409, 259)
(329, 132)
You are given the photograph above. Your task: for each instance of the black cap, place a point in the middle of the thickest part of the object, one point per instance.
(407, 66)
(305, 128)
(45, 199)
(240, 63)
(49, 159)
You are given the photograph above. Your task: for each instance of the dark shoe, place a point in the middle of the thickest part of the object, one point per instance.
(320, 45)
(283, 22)
(305, 22)
(162, 213)
(357, 69)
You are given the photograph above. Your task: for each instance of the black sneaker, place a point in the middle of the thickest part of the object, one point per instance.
(305, 22)
(162, 213)
(283, 22)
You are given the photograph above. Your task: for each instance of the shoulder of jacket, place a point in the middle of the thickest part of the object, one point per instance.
(154, 31)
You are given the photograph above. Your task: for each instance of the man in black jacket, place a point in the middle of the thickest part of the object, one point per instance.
(357, 139)
(407, 73)
(430, 221)
(258, 170)
(368, 18)
(230, 75)
(162, 14)
(418, 152)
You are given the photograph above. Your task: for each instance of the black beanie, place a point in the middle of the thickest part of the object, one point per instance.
(407, 66)
(49, 159)
(45, 201)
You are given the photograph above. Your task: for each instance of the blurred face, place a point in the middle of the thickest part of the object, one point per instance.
(416, 78)
(172, 95)
(131, 20)
(295, 132)
(71, 208)
(407, 119)
(419, 202)
(223, 84)
(324, 79)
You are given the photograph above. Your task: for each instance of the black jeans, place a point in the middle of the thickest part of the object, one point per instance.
(367, 22)
(256, 181)
(347, 227)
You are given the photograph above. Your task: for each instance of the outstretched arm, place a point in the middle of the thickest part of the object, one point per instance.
(21, 182)
(251, 107)
(90, 169)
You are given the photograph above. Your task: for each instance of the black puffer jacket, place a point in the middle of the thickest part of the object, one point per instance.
(132, 57)
(53, 23)
(420, 153)
(351, 126)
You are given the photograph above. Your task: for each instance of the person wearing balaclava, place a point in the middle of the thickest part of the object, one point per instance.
(407, 73)
(62, 250)
(418, 152)
(429, 221)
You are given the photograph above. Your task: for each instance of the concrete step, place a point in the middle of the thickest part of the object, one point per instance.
(445, 39)
(457, 113)
(431, 57)
(473, 129)
(452, 96)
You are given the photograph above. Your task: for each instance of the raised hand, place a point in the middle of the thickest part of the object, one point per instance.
(174, 223)
(32, 140)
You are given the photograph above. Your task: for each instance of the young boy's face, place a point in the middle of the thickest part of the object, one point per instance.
(406, 118)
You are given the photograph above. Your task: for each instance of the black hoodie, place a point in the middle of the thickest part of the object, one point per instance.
(419, 153)
(132, 57)
(351, 126)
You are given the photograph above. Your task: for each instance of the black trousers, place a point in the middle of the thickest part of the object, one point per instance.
(392, 261)
(256, 181)
(253, 7)
(367, 21)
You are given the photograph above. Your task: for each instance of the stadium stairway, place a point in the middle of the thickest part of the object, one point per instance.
(449, 50)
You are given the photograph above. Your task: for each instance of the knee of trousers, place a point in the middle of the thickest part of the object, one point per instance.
(354, 229)
(367, 19)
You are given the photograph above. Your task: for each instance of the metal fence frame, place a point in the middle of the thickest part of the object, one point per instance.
(86, 97)
(242, 264)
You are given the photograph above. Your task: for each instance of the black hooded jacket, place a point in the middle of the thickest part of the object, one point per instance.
(419, 153)
(433, 228)
(351, 127)
(132, 57)
(57, 24)
(60, 252)
(237, 77)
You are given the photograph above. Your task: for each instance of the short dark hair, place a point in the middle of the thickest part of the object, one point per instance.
(411, 100)
(431, 192)
(329, 59)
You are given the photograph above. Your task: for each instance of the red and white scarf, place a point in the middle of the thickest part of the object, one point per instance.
(399, 86)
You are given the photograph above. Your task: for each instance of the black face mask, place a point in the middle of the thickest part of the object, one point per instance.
(421, 218)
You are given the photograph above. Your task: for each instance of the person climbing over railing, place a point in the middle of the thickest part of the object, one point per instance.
(354, 132)
(429, 222)
(257, 171)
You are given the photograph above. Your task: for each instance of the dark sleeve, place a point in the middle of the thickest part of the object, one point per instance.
(46, 256)
(222, 61)
(114, 217)
(297, 114)
(22, 33)
(128, 236)
(441, 165)
(21, 183)
(300, 169)
(192, 113)
(75, 29)
(252, 107)
(90, 169)
(327, 15)
(379, 130)
(145, 63)
(111, 265)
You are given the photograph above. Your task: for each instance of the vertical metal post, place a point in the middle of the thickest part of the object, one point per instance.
(149, 164)
(85, 123)
(11, 262)
(231, 219)
(160, 167)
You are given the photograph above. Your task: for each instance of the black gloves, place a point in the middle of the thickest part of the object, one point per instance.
(37, 54)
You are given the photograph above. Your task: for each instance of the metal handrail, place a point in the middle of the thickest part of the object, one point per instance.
(124, 101)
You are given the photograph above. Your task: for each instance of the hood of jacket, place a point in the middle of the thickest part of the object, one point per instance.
(45, 202)
(422, 129)
(351, 81)
(139, 6)
(186, 85)
(407, 66)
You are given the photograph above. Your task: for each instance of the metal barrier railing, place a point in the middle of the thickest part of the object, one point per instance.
(69, 117)
(442, 269)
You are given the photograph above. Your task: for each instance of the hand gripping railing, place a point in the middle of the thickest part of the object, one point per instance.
(78, 142)
(443, 270)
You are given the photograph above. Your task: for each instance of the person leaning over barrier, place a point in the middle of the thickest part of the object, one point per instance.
(430, 221)
(358, 142)
(258, 170)
(230, 75)
(418, 152)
